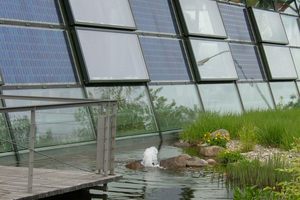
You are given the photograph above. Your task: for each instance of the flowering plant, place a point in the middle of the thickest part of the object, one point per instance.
(226, 156)
(217, 139)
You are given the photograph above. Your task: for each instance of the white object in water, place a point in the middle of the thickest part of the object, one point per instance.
(150, 157)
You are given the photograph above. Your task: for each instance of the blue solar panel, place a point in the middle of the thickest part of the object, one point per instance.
(246, 61)
(35, 56)
(154, 16)
(165, 59)
(236, 23)
(31, 10)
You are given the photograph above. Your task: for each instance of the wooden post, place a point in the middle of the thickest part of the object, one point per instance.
(106, 138)
(113, 137)
(31, 151)
(100, 143)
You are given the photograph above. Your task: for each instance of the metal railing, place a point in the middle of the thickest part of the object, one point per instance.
(106, 127)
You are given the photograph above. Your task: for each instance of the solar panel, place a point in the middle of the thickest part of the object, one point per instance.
(165, 59)
(46, 11)
(236, 23)
(30, 55)
(154, 16)
(246, 61)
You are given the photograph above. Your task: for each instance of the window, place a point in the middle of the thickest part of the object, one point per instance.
(269, 25)
(277, 67)
(202, 17)
(109, 56)
(221, 98)
(292, 29)
(175, 105)
(101, 13)
(284, 92)
(213, 60)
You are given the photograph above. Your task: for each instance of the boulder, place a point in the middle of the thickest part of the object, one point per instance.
(135, 165)
(211, 161)
(210, 151)
(185, 156)
(181, 144)
(174, 162)
(196, 162)
(222, 132)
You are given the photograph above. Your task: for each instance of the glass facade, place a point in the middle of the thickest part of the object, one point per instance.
(165, 61)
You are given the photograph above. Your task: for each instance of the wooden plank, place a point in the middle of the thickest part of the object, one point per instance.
(46, 183)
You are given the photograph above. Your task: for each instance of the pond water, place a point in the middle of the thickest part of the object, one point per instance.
(154, 183)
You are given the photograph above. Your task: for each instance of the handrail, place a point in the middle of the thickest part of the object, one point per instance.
(106, 127)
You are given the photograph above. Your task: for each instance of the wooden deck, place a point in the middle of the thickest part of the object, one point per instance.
(46, 182)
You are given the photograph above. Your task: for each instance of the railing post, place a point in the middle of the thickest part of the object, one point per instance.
(31, 151)
(106, 138)
(100, 142)
(113, 137)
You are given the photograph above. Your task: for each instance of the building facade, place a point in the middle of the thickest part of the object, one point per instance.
(165, 61)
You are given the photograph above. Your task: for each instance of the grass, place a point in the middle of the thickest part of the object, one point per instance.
(276, 128)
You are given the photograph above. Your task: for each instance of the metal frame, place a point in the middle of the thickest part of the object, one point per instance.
(108, 131)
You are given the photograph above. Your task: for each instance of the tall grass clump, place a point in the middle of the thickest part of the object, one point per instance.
(275, 128)
(249, 173)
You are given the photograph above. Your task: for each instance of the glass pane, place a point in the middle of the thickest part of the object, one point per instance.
(4, 146)
(154, 16)
(214, 60)
(256, 96)
(236, 22)
(134, 111)
(202, 17)
(264, 4)
(102, 12)
(53, 127)
(46, 11)
(247, 61)
(270, 26)
(284, 92)
(241, 2)
(296, 57)
(165, 59)
(292, 29)
(112, 56)
(286, 6)
(221, 98)
(31, 55)
(175, 106)
(278, 67)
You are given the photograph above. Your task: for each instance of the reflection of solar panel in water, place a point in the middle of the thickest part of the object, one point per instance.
(46, 11)
(236, 23)
(246, 62)
(165, 59)
(35, 56)
(154, 16)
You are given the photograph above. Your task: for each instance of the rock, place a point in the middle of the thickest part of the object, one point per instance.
(203, 145)
(181, 144)
(196, 162)
(210, 151)
(211, 161)
(222, 132)
(135, 165)
(185, 156)
(174, 162)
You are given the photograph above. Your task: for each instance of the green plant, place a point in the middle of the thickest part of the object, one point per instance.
(216, 140)
(252, 193)
(229, 156)
(289, 189)
(249, 173)
(248, 136)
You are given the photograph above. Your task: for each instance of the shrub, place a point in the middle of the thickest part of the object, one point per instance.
(216, 140)
(248, 136)
(229, 156)
(252, 193)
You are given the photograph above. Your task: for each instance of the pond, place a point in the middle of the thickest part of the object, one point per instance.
(152, 183)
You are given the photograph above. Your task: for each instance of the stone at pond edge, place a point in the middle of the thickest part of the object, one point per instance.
(181, 144)
(210, 151)
(135, 165)
(196, 162)
(174, 162)
(211, 161)
(222, 132)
